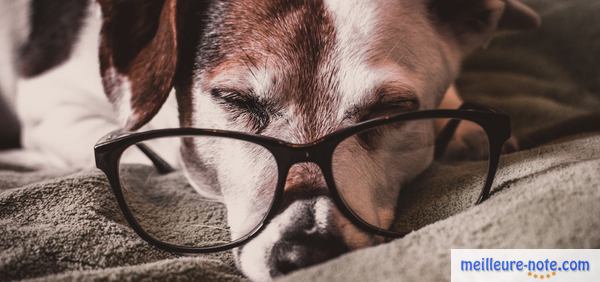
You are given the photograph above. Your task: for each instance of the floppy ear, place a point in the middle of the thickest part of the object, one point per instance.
(474, 22)
(138, 56)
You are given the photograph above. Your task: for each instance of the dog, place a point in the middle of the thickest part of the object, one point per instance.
(291, 69)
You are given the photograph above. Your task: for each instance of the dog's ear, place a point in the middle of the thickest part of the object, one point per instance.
(474, 22)
(138, 56)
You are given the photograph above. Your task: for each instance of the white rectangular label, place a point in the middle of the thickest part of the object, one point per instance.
(530, 265)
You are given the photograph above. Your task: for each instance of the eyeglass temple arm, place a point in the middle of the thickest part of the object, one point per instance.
(443, 139)
(162, 166)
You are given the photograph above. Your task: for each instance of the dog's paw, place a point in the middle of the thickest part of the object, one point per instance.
(470, 142)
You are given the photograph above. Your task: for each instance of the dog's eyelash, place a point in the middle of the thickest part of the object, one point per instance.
(369, 138)
(249, 107)
(395, 107)
(382, 108)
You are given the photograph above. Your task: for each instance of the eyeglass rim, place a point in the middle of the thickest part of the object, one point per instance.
(108, 152)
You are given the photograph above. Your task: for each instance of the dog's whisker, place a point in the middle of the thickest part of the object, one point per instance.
(249, 60)
(389, 52)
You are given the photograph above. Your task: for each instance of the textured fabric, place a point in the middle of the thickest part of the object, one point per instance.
(70, 224)
(544, 198)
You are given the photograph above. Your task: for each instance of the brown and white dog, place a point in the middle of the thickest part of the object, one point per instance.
(292, 69)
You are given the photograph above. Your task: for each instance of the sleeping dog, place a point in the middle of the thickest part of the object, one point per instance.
(292, 69)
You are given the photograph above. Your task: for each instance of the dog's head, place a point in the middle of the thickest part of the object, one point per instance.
(294, 70)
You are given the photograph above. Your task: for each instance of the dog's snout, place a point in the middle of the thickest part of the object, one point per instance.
(311, 238)
(303, 251)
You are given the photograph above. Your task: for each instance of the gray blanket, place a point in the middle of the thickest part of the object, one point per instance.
(65, 225)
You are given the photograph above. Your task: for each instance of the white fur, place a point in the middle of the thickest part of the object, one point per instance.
(322, 213)
(355, 24)
(65, 111)
(14, 29)
(256, 254)
(121, 90)
(253, 258)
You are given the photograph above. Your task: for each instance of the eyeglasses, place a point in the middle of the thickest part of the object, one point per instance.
(361, 166)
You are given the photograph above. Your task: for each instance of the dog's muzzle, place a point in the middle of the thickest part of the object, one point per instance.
(310, 237)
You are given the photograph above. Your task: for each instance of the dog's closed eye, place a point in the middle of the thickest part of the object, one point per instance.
(384, 108)
(385, 101)
(242, 105)
(389, 101)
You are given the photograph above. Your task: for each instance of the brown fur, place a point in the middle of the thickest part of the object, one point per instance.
(294, 37)
(148, 59)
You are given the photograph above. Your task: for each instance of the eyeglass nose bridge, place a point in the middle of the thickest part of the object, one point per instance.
(316, 154)
(319, 154)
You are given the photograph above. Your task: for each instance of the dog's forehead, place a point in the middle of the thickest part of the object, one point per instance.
(317, 56)
(279, 34)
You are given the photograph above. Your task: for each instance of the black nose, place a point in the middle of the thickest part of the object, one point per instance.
(305, 242)
(295, 253)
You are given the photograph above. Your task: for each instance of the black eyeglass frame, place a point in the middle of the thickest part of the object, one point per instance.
(108, 152)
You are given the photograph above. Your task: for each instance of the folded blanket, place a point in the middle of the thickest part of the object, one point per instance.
(544, 198)
(53, 223)
(65, 225)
